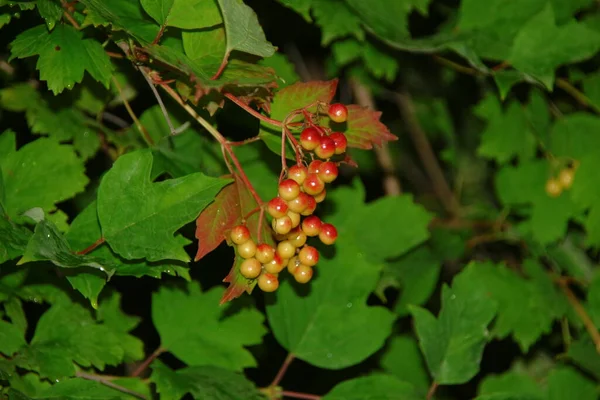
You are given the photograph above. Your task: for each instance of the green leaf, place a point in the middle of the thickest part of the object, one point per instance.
(5, 19)
(213, 383)
(12, 338)
(64, 56)
(336, 20)
(582, 352)
(572, 42)
(81, 389)
(302, 7)
(13, 238)
(217, 338)
(88, 282)
(453, 343)
(28, 176)
(206, 46)
(566, 383)
(591, 88)
(144, 206)
(194, 14)
(50, 11)
(285, 69)
(511, 384)
(373, 387)
(243, 30)
(158, 9)
(403, 359)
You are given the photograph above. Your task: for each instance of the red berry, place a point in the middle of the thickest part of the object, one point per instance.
(309, 255)
(250, 268)
(277, 207)
(341, 143)
(313, 184)
(303, 273)
(247, 249)
(268, 282)
(297, 173)
(286, 249)
(239, 234)
(289, 189)
(275, 265)
(264, 253)
(300, 203)
(282, 225)
(310, 138)
(311, 225)
(328, 172)
(338, 112)
(310, 208)
(328, 234)
(321, 196)
(297, 237)
(326, 148)
(295, 217)
(313, 167)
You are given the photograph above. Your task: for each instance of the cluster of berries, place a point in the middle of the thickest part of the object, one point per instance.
(292, 212)
(564, 181)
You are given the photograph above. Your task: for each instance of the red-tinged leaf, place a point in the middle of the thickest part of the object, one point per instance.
(300, 95)
(217, 219)
(363, 128)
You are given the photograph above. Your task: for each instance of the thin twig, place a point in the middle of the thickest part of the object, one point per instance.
(582, 313)
(139, 370)
(298, 395)
(118, 121)
(423, 147)
(91, 247)
(252, 111)
(286, 363)
(68, 15)
(576, 94)
(159, 100)
(432, 389)
(106, 382)
(245, 141)
(391, 183)
(135, 119)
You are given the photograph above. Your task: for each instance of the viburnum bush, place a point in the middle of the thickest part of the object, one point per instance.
(188, 209)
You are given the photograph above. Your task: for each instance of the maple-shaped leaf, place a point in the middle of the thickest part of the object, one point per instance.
(63, 56)
(364, 129)
(150, 213)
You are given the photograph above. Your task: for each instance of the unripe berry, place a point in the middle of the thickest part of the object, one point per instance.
(275, 265)
(338, 112)
(297, 173)
(239, 234)
(321, 196)
(293, 264)
(277, 207)
(297, 237)
(303, 273)
(282, 225)
(326, 148)
(268, 282)
(295, 218)
(565, 177)
(310, 138)
(553, 188)
(313, 184)
(313, 167)
(311, 225)
(250, 268)
(289, 189)
(247, 249)
(264, 253)
(300, 203)
(286, 249)
(341, 142)
(310, 208)
(328, 172)
(328, 234)
(309, 255)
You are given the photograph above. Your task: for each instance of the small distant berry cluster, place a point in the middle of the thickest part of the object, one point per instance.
(293, 222)
(564, 181)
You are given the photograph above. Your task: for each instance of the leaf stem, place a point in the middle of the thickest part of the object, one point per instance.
(252, 111)
(91, 247)
(286, 363)
(107, 382)
(139, 370)
(432, 389)
(159, 100)
(297, 395)
(245, 141)
(68, 15)
(138, 124)
(581, 313)
(576, 94)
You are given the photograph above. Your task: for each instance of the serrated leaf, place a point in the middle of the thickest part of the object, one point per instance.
(81, 389)
(453, 343)
(364, 130)
(582, 352)
(373, 387)
(29, 176)
(207, 45)
(13, 238)
(11, 338)
(302, 7)
(50, 11)
(284, 68)
(89, 282)
(217, 338)
(161, 208)
(63, 56)
(194, 14)
(403, 359)
(573, 42)
(511, 384)
(336, 20)
(5, 19)
(202, 382)
(158, 9)
(566, 383)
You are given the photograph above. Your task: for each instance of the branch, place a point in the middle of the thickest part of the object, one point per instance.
(581, 312)
(139, 370)
(137, 122)
(106, 382)
(423, 147)
(391, 183)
